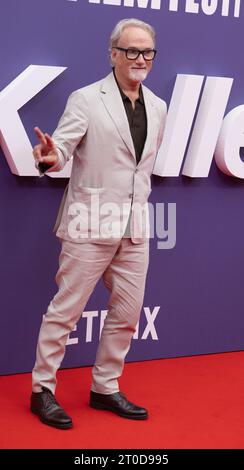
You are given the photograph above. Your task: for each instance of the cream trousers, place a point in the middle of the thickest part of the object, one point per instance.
(123, 267)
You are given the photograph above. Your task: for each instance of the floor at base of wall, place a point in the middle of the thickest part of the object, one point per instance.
(193, 402)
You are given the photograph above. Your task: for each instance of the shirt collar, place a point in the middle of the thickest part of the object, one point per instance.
(124, 96)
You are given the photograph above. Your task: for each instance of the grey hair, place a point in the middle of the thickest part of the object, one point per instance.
(119, 28)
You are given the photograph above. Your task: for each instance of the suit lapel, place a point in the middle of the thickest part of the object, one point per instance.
(111, 98)
(149, 106)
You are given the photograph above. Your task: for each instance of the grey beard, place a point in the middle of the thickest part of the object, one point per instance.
(138, 75)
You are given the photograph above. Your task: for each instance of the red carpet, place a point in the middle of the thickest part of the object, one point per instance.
(194, 402)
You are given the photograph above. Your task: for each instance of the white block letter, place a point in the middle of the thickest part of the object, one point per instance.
(179, 121)
(13, 138)
(191, 6)
(209, 7)
(207, 126)
(231, 138)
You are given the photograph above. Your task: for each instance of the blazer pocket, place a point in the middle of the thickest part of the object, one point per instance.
(90, 191)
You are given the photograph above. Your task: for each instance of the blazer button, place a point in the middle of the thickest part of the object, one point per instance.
(130, 196)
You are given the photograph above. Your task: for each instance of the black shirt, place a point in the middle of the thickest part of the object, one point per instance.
(137, 119)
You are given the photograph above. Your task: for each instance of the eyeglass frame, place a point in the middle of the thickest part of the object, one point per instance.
(139, 52)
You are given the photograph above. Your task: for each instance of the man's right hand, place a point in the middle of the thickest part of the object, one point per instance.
(45, 152)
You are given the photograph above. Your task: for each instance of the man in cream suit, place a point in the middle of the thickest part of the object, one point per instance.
(113, 128)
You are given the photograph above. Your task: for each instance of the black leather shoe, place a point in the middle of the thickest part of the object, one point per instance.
(45, 406)
(117, 403)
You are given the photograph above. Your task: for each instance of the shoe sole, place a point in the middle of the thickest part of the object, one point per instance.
(99, 406)
(58, 426)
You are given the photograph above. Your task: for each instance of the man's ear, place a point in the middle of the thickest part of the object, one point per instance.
(113, 56)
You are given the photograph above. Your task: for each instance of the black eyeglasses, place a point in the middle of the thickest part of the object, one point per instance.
(133, 54)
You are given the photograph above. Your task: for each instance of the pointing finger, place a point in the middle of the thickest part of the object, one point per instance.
(40, 135)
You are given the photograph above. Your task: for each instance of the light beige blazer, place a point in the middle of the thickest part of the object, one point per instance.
(106, 184)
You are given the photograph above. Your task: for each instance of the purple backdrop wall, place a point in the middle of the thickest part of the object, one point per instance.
(198, 285)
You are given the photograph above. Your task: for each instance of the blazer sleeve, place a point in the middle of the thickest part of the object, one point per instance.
(71, 128)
